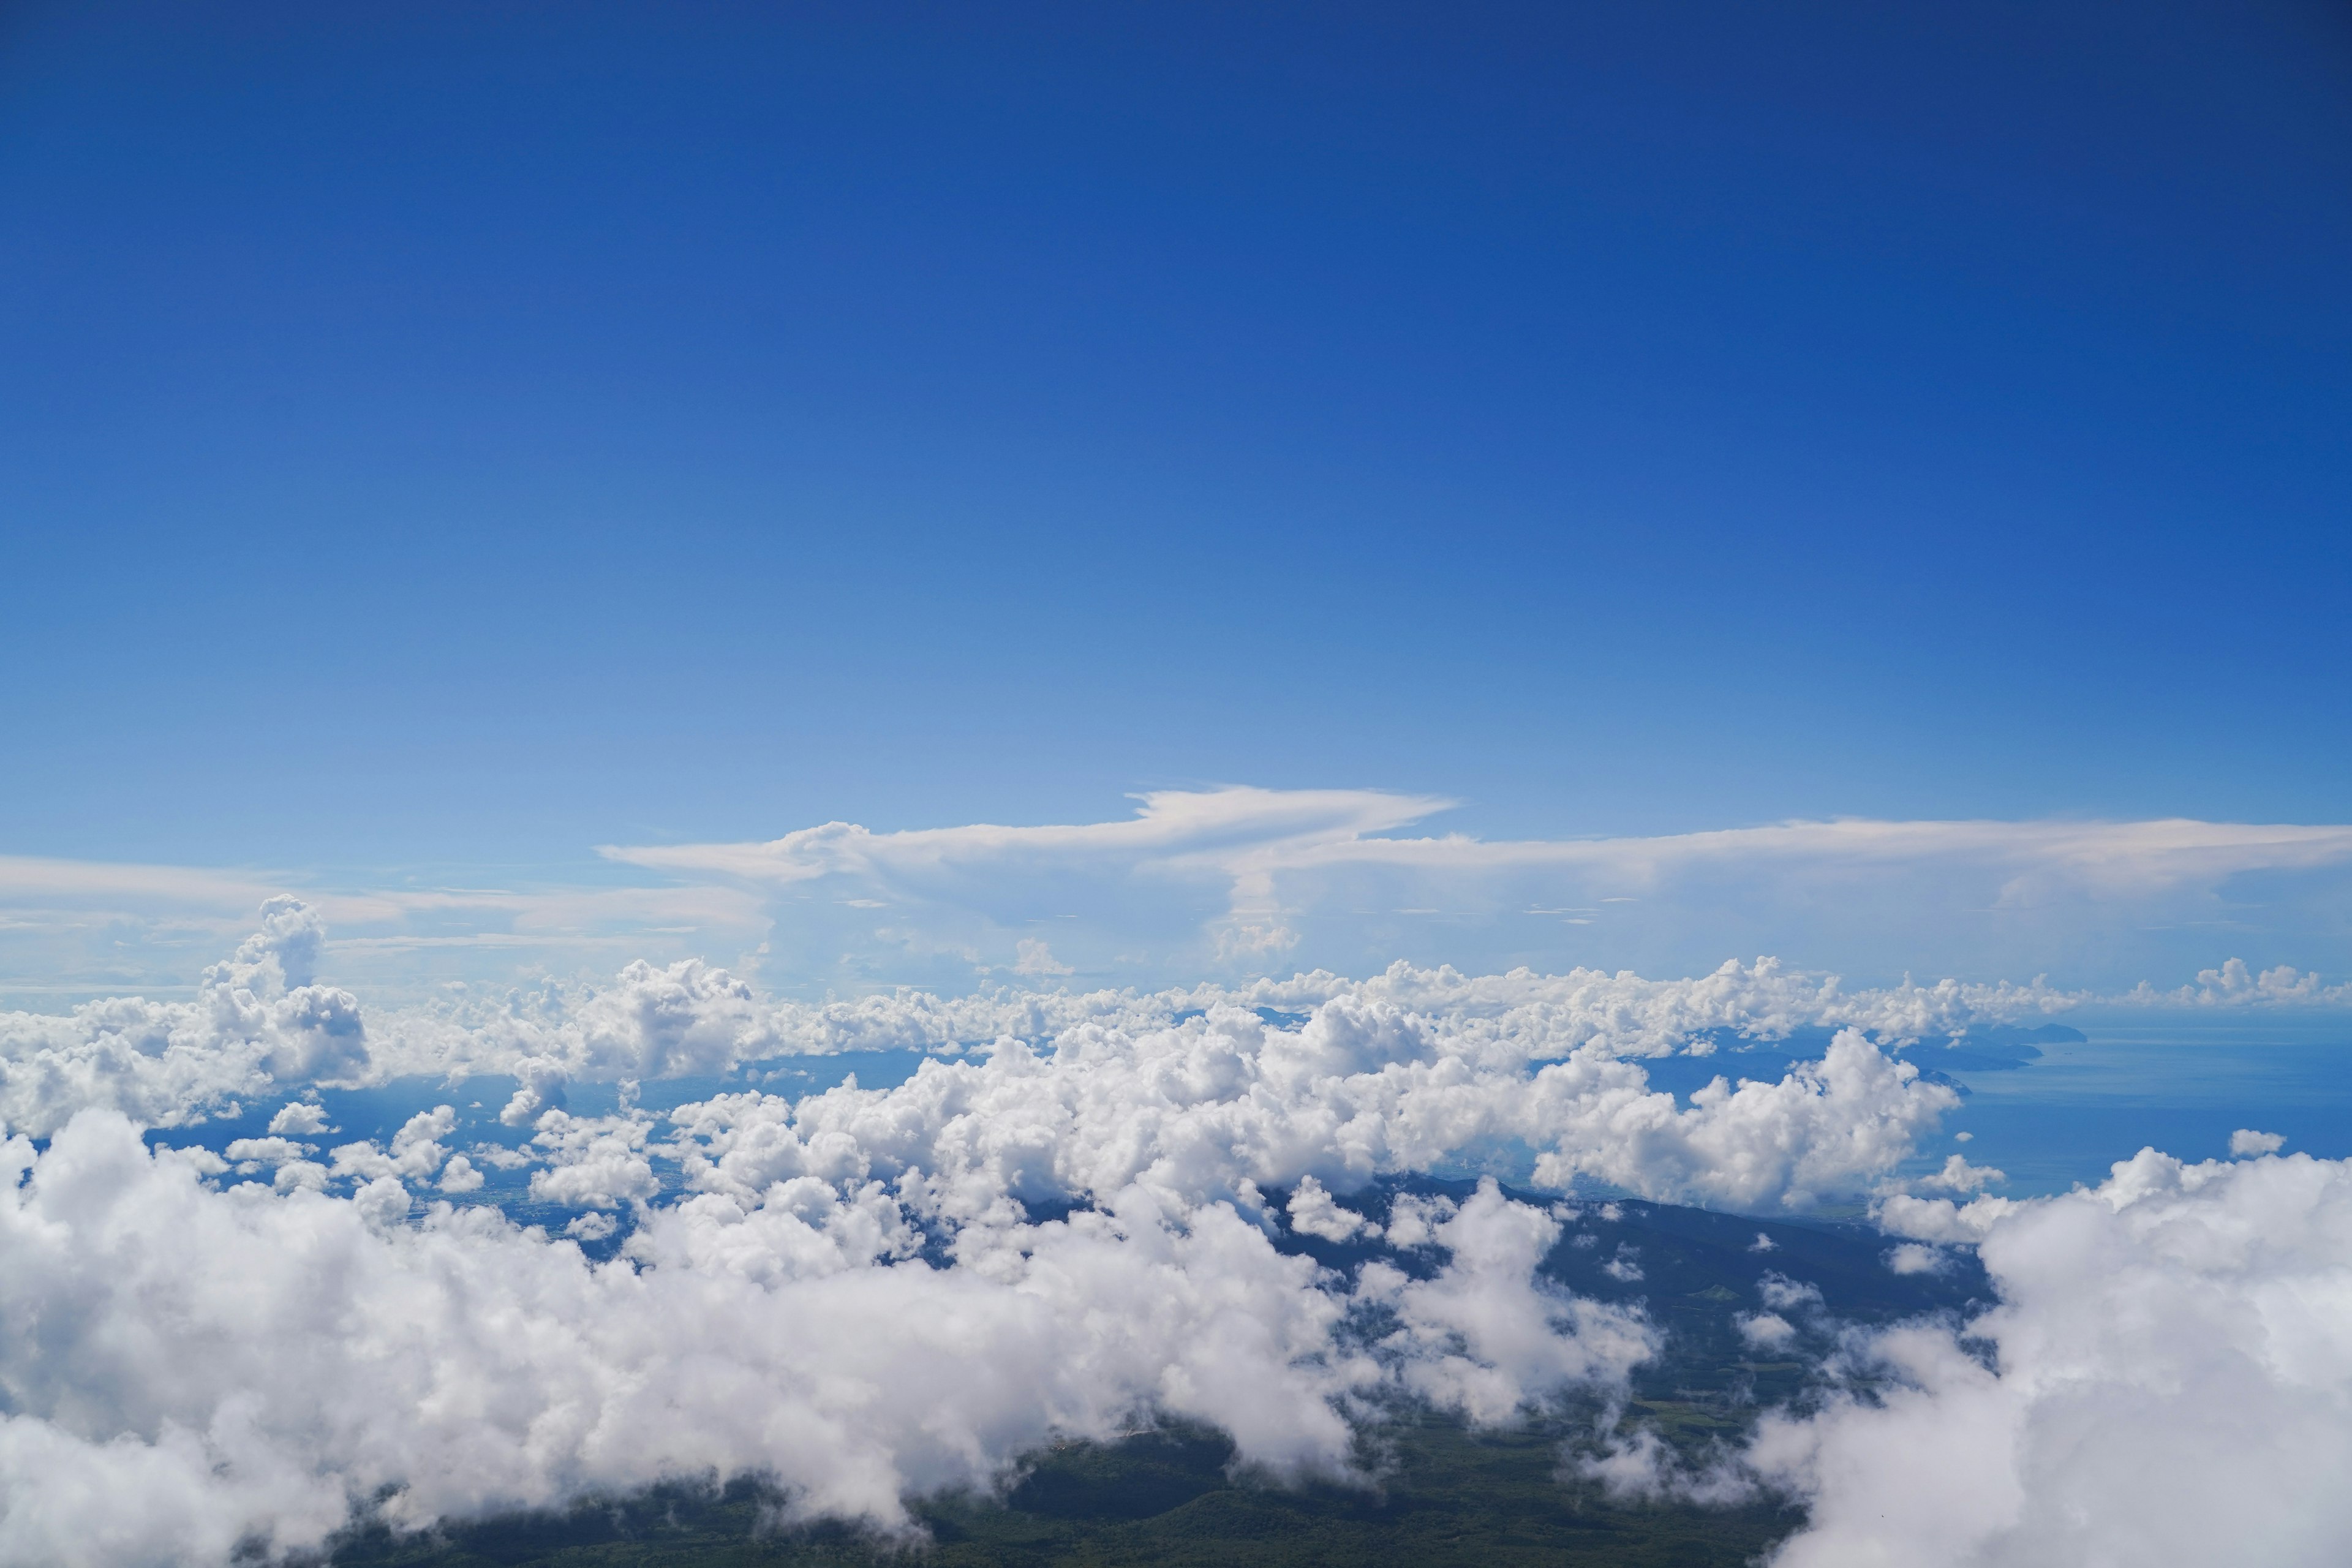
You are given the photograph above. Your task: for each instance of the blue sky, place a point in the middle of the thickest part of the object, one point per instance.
(440, 441)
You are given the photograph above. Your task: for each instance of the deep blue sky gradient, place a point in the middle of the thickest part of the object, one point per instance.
(462, 434)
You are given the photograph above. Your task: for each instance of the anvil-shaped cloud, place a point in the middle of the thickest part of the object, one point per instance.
(1238, 882)
(1246, 875)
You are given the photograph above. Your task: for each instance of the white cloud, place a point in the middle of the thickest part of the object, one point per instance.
(1313, 1211)
(255, 1021)
(1223, 1105)
(252, 1353)
(2234, 985)
(251, 1154)
(594, 1163)
(1171, 828)
(1241, 834)
(1241, 875)
(1231, 881)
(245, 1361)
(2245, 1141)
(1487, 1337)
(1915, 1257)
(1784, 1294)
(84, 927)
(1036, 958)
(1958, 1176)
(300, 1117)
(2172, 1364)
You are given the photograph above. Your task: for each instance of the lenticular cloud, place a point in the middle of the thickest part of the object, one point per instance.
(1066, 1221)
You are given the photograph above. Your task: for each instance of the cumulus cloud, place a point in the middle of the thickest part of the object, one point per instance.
(1486, 1336)
(1035, 959)
(1223, 1106)
(1315, 1212)
(1958, 1176)
(300, 1117)
(2168, 1381)
(319, 1349)
(256, 1020)
(1916, 1257)
(691, 1018)
(2164, 1381)
(416, 1151)
(2235, 984)
(1045, 1235)
(1068, 1219)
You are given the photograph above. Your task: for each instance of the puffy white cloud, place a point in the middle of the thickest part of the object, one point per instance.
(2245, 1141)
(1784, 1294)
(308, 1175)
(1035, 958)
(1958, 1176)
(255, 1021)
(1917, 1257)
(597, 1162)
(1486, 1336)
(252, 1153)
(416, 1150)
(2236, 984)
(2168, 1382)
(299, 1117)
(1814, 1133)
(1313, 1211)
(317, 1348)
(693, 1018)
(1224, 1105)
(865, 1290)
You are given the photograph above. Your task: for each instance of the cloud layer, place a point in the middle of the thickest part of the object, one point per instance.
(1070, 1219)
(1245, 876)
(1239, 882)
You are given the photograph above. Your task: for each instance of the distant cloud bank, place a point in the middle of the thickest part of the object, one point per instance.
(1239, 883)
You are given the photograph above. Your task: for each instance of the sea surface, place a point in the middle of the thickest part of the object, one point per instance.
(2179, 1085)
